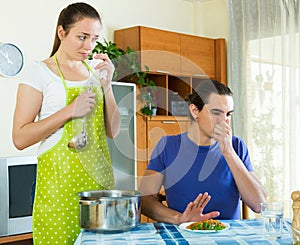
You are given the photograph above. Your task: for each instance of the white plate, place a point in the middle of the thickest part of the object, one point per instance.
(184, 225)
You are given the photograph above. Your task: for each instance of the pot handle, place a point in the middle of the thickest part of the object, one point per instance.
(89, 202)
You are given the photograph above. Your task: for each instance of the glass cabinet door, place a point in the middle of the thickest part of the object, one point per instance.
(123, 147)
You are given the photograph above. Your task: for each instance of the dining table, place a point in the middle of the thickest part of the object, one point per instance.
(247, 231)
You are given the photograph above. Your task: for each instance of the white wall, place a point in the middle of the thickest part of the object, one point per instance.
(31, 25)
(211, 18)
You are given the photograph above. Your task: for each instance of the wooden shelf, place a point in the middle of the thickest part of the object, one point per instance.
(17, 239)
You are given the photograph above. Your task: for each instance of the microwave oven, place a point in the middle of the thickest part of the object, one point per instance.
(16, 178)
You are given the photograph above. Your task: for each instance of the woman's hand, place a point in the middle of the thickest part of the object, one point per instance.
(106, 70)
(193, 211)
(83, 104)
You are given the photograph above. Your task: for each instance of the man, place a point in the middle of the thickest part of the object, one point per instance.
(204, 171)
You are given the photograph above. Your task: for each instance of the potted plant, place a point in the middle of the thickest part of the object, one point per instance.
(149, 98)
(127, 65)
(148, 93)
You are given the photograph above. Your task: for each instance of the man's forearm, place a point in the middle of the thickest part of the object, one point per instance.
(154, 209)
(251, 191)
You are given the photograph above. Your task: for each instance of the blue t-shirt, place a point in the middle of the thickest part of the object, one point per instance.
(190, 169)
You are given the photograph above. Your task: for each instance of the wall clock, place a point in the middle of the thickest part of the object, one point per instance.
(11, 60)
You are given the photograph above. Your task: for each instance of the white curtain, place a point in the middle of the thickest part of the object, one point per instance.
(264, 53)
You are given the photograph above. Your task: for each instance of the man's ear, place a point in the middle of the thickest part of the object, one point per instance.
(194, 111)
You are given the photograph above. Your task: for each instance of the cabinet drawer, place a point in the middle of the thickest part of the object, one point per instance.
(158, 128)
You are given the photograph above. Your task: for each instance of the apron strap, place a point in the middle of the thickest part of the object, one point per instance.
(61, 75)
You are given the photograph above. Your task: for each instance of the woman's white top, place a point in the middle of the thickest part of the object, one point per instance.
(40, 77)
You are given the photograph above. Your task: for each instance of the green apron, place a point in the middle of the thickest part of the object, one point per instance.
(63, 172)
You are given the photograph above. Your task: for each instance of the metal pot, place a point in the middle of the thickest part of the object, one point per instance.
(109, 210)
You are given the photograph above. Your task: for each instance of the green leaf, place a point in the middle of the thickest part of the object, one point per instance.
(126, 60)
(146, 111)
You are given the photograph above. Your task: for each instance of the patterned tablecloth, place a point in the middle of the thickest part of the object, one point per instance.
(240, 232)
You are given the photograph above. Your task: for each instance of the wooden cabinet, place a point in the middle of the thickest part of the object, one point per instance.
(175, 53)
(177, 63)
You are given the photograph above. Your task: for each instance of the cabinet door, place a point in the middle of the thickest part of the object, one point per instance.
(157, 128)
(160, 50)
(198, 56)
(123, 147)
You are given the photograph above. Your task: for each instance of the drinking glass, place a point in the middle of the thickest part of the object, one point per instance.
(272, 214)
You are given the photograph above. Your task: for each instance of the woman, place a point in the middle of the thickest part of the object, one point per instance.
(59, 93)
